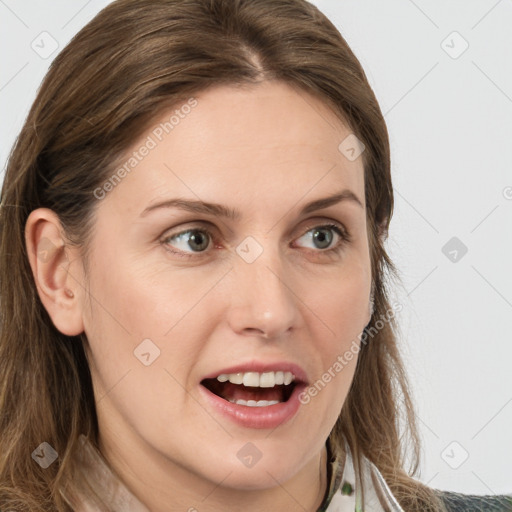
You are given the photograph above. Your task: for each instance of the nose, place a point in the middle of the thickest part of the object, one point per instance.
(262, 298)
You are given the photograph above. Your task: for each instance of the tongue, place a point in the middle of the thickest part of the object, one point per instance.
(240, 392)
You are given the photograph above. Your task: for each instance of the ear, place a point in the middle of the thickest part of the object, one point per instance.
(56, 269)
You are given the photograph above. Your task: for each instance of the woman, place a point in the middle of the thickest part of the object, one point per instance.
(194, 303)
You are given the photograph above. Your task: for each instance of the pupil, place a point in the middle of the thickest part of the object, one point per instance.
(198, 238)
(323, 237)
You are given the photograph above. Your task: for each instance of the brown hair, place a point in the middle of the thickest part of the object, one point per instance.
(101, 92)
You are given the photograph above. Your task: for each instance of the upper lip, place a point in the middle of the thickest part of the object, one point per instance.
(262, 367)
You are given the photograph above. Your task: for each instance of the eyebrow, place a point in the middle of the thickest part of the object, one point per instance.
(220, 210)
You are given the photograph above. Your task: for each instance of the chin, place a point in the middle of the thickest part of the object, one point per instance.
(258, 478)
(255, 464)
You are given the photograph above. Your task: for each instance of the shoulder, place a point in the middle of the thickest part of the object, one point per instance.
(457, 502)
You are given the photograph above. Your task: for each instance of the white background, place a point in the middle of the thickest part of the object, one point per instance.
(450, 125)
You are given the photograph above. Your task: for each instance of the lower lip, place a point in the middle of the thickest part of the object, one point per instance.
(270, 416)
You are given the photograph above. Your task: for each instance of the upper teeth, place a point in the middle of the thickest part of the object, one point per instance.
(255, 379)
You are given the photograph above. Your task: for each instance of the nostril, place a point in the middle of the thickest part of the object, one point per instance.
(257, 332)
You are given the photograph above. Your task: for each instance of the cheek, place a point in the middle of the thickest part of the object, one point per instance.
(340, 303)
(148, 313)
(140, 298)
(340, 309)
(144, 337)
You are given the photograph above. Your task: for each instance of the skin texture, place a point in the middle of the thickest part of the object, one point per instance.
(265, 150)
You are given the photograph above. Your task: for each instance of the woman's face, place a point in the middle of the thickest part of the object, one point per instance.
(207, 261)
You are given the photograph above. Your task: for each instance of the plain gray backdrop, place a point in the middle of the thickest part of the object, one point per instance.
(442, 72)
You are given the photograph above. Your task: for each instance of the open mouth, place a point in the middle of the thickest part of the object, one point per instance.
(253, 389)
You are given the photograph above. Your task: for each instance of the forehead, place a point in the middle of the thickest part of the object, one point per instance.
(261, 117)
(267, 139)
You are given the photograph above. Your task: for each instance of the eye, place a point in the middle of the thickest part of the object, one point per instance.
(327, 238)
(190, 241)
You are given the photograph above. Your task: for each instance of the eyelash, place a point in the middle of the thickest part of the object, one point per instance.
(345, 238)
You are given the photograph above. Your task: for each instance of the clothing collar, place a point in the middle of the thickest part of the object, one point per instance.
(348, 492)
(97, 489)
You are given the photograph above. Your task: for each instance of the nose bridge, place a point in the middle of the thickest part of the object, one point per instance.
(262, 297)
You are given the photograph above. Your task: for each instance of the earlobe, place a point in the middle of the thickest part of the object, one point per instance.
(56, 282)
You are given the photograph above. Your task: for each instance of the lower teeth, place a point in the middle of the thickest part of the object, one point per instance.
(254, 403)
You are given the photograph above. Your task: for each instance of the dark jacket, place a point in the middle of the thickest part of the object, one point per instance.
(455, 502)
